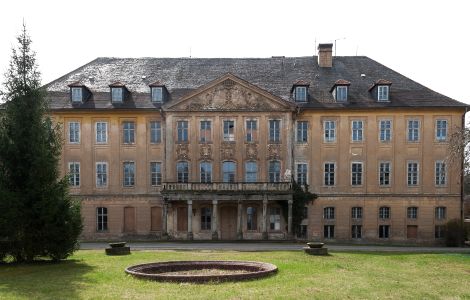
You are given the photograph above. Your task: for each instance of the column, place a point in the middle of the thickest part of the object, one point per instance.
(265, 218)
(215, 228)
(165, 219)
(289, 219)
(190, 219)
(239, 221)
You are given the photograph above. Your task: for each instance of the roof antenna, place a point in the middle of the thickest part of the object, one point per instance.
(338, 40)
(357, 47)
(189, 52)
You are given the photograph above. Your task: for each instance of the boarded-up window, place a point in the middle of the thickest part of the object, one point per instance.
(156, 218)
(412, 231)
(129, 219)
(182, 219)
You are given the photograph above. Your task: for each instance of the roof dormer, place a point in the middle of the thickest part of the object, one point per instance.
(158, 92)
(300, 91)
(119, 92)
(79, 93)
(381, 90)
(340, 90)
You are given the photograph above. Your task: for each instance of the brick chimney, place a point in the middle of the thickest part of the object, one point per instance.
(325, 55)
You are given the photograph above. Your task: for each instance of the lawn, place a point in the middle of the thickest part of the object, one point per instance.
(93, 275)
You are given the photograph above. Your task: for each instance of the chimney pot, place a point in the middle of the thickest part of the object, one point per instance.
(325, 55)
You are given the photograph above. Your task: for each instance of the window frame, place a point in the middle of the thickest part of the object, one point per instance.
(274, 218)
(331, 174)
(128, 175)
(301, 136)
(183, 176)
(383, 97)
(274, 131)
(387, 131)
(251, 218)
(206, 176)
(356, 231)
(439, 136)
(330, 131)
(182, 132)
(385, 212)
(156, 173)
(249, 172)
(344, 94)
(100, 175)
(385, 175)
(412, 174)
(74, 174)
(329, 213)
(329, 231)
(73, 95)
(101, 219)
(356, 212)
(440, 213)
(357, 133)
(155, 132)
(101, 136)
(413, 134)
(227, 134)
(412, 212)
(300, 96)
(115, 94)
(128, 134)
(74, 132)
(205, 132)
(358, 174)
(384, 231)
(251, 134)
(206, 218)
(301, 176)
(154, 95)
(440, 173)
(274, 171)
(229, 176)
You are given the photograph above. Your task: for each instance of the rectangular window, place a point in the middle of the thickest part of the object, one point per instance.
(251, 218)
(251, 131)
(182, 172)
(341, 93)
(155, 173)
(413, 130)
(274, 131)
(101, 174)
(329, 213)
(275, 218)
(356, 231)
(251, 171)
(205, 132)
(77, 94)
(412, 212)
(155, 132)
(157, 94)
(302, 132)
(128, 132)
(101, 132)
(356, 212)
(440, 213)
(385, 132)
(356, 173)
(229, 130)
(128, 174)
(228, 171)
(74, 132)
(384, 212)
(117, 95)
(440, 173)
(182, 129)
(74, 174)
(384, 231)
(301, 177)
(382, 93)
(412, 174)
(206, 172)
(329, 131)
(101, 219)
(329, 231)
(384, 174)
(206, 218)
(300, 94)
(329, 175)
(357, 131)
(441, 130)
(439, 231)
(274, 171)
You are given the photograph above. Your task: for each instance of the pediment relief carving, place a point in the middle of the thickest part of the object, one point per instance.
(206, 151)
(182, 152)
(227, 151)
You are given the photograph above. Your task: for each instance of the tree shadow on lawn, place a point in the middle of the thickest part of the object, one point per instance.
(44, 279)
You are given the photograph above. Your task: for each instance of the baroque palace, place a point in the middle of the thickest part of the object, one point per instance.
(207, 148)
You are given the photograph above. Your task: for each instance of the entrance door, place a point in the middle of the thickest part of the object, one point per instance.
(156, 218)
(228, 223)
(182, 219)
(129, 219)
(412, 231)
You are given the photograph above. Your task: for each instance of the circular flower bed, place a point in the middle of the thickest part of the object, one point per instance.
(202, 271)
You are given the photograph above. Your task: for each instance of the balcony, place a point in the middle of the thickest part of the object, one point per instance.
(228, 188)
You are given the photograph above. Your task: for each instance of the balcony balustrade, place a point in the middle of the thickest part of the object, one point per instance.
(227, 187)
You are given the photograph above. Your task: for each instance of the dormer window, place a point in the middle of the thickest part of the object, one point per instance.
(77, 94)
(157, 94)
(300, 91)
(117, 94)
(382, 93)
(340, 90)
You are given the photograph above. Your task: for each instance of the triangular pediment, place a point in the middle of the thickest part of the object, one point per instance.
(230, 93)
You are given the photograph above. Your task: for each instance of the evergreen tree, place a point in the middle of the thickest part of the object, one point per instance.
(38, 217)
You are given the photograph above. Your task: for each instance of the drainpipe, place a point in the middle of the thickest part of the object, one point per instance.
(462, 172)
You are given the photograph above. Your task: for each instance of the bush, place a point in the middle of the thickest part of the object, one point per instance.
(455, 233)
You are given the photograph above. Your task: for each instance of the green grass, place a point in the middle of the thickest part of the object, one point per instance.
(93, 275)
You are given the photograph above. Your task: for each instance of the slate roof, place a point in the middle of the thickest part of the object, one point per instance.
(275, 75)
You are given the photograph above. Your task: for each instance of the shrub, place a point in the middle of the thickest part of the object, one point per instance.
(455, 233)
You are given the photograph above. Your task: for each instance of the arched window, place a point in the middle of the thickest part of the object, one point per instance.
(251, 171)
(228, 170)
(182, 171)
(274, 171)
(205, 169)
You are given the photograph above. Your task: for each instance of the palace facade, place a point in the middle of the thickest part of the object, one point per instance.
(200, 148)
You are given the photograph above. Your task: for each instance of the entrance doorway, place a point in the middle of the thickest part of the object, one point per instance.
(228, 223)
(129, 219)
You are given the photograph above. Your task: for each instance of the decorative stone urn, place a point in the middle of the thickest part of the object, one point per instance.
(118, 248)
(316, 248)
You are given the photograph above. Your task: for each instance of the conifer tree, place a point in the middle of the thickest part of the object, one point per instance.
(38, 217)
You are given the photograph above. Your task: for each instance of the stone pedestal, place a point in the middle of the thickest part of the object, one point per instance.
(118, 249)
(316, 251)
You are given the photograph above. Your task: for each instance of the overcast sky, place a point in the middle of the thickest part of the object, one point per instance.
(427, 41)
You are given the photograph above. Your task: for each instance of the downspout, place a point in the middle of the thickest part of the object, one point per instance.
(462, 171)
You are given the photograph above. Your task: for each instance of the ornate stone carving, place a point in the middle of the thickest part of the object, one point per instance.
(230, 96)
(252, 151)
(227, 151)
(206, 151)
(182, 152)
(274, 151)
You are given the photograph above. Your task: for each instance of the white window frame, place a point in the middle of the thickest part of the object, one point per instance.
(356, 231)
(182, 132)
(329, 177)
(276, 132)
(156, 94)
(331, 131)
(385, 213)
(440, 173)
(440, 212)
(412, 133)
(75, 132)
(130, 132)
(184, 178)
(329, 231)
(357, 177)
(440, 132)
(388, 231)
(387, 131)
(101, 176)
(204, 138)
(251, 218)
(228, 136)
(301, 134)
(408, 174)
(117, 97)
(155, 132)
(155, 175)
(300, 96)
(383, 93)
(229, 176)
(412, 212)
(128, 180)
(299, 175)
(384, 163)
(356, 212)
(249, 131)
(208, 177)
(275, 218)
(76, 98)
(343, 93)
(247, 176)
(101, 137)
(74, 179)
(329, 213)
(101, 212)
(357, 132)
